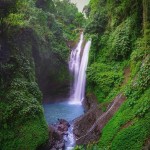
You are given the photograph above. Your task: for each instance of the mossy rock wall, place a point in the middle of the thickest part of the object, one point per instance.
(23, 122)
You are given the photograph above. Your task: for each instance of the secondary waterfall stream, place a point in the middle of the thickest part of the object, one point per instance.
(72, 107)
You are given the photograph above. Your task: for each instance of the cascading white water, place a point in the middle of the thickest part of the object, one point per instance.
(80, 88)
(72, 109)
(74, 62)
(78, 66)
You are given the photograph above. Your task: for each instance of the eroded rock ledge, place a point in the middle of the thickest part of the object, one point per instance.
(88, 127)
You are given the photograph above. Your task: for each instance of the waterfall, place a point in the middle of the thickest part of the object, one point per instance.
(78, 66)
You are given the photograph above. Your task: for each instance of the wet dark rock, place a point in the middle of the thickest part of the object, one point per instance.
(57, 133)
(84, 122)
(62, 126)
(89, 102)
(60, 145)
(88, 127)
(53, 149)
(64, 122)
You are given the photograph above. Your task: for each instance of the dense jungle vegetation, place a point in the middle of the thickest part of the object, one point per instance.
(33, 48)
(120, 63)
(34, 36)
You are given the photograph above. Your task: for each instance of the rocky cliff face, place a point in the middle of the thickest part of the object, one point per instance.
(52, 73)
(88, 127)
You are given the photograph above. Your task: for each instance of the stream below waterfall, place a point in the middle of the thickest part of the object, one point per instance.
(66, 111)
(72, 107)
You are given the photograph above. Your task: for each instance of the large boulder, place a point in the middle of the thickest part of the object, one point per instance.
(88, 127)
(84, 123)
(57, 134)
(89, 102)
(92, 113)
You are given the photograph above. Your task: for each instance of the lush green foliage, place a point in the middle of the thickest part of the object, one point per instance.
(22, 114)
(32, 32)
(103, 78)
(120, 63)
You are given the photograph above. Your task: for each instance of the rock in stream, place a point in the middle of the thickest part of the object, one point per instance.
(59, 130)
(56, 136)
